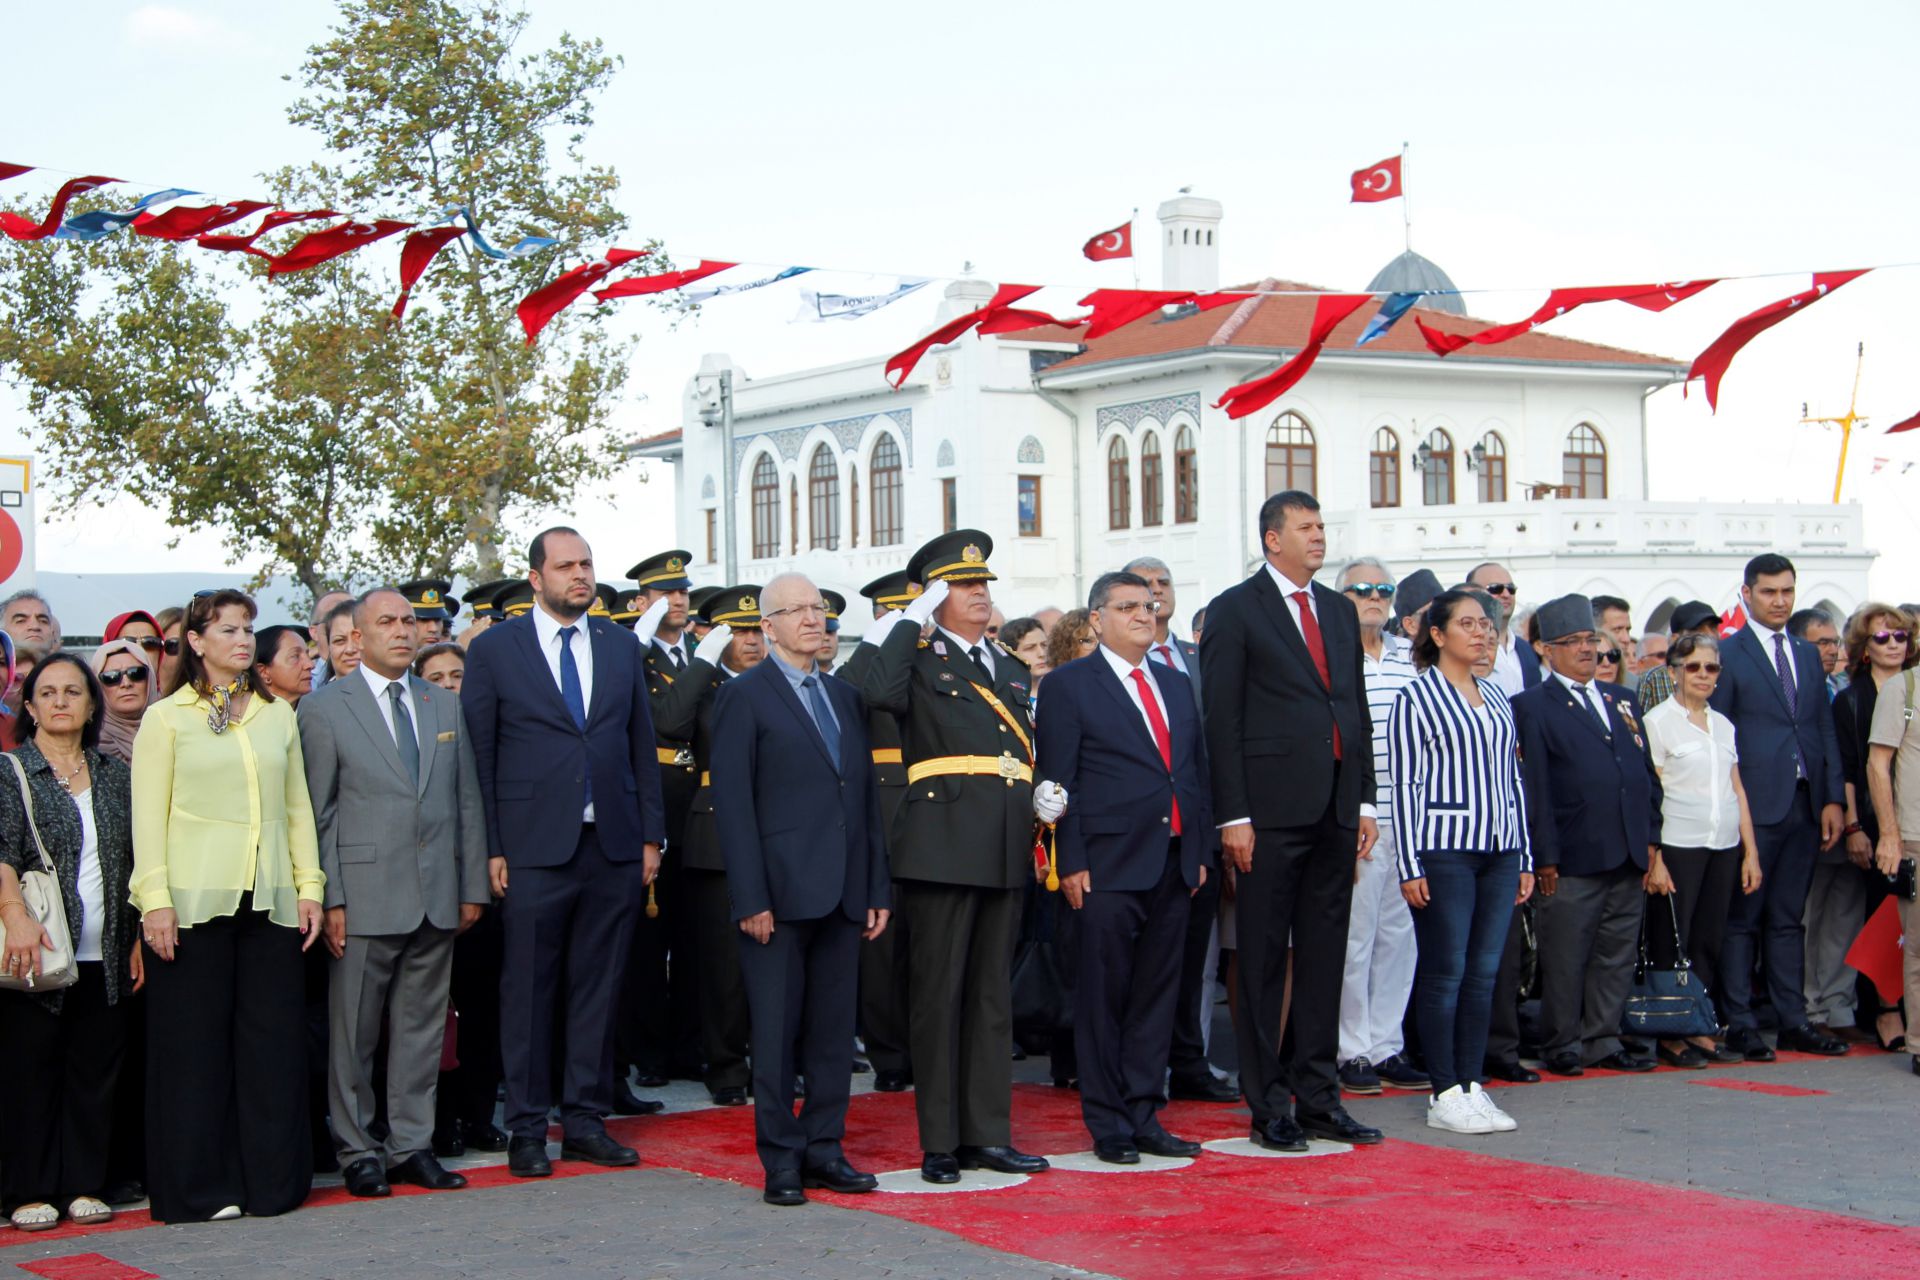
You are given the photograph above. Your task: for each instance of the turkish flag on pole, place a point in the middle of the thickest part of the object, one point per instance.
(1876, 953)
(1712, 363)
(546, 302)
(1377, 182)
(19, 228)
(1250, 397)
(1116, 243)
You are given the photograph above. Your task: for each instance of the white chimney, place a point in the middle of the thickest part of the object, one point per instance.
(1190, 244)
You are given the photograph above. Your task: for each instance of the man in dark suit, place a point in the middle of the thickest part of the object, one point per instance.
(1190, 1075)
(1774, 690)
(1291, 752)
(557, 704)
(1593, 814)
(1122, 736)
(799, 826)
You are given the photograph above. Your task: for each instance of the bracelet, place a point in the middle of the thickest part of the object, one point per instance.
(15, 902)
(1852, 829)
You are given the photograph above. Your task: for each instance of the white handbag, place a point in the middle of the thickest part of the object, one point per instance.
(41, 889)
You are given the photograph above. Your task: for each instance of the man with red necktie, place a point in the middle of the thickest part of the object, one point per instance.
(1290, 743)
(1122, 735)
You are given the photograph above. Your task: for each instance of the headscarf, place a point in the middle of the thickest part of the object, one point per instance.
(116, 728)
(119, 621)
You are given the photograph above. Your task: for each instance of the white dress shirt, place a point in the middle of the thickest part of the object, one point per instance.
(1168, 652)
(378, 683)
(1124, 670)
(1506, 667)
(546, 629)
(986, 649)
(1697, 807)
(678, 646)
(92, 884)
(1587, 698)
(1765, 636)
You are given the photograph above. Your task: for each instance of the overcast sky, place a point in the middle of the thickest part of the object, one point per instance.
(1551, 146)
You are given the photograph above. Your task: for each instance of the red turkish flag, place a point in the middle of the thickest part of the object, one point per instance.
(1116, 243)
(416, 254)
(1876, 952)
(278, 218)
(317, 247)
(13, 170)
(1250, 397)
(1648, 297)
(1712, 363)
(183, 222)
(662, 281)
(998, 316)
(539, 308)
(1910, 424)
(1377, 182)
(19, 228)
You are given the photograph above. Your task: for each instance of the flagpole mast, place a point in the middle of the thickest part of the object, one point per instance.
(1133, 244)
(1406, 202)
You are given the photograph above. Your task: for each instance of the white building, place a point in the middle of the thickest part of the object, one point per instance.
(1077, 457)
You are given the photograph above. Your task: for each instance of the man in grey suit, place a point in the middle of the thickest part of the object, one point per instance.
(396, 798)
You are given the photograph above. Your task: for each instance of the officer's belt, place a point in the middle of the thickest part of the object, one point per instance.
(970, 766)
(674, 755)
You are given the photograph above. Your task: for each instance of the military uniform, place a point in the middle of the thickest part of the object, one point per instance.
(435, 605)
(961, 853)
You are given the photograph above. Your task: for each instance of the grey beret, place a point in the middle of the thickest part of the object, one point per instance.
(1416, 592)
(1565, 616)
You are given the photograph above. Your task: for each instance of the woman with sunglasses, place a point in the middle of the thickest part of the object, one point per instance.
(129, 682)
(1879, 646)
(1706, 832)
(169, 619)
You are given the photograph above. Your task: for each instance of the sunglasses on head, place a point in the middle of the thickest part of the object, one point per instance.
(1499, 589)
(1889, 637)
(1695, 668)
(137, 675)
(1368, 590)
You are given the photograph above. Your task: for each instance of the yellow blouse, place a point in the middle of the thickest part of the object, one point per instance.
(216, 815)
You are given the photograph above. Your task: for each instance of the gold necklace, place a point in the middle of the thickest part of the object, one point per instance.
(222, 697)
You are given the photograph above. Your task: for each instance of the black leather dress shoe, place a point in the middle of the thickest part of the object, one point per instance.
(1337, 1126)
(484, 1137)
(999, 1159)
(627, 1103)
(598, 1148)
(1116, 1151)
(651, 1080)
(1749, 1045)
(1721, 1054)
(1282, 1133)
(422, 1170)
(731, 1095)
(1194, 1089)
(1804, 1039)
(939, 1167)
(891, 1081)
(448, 1143)
(365, 1179)
(1165, 1144)
(527, 1158)
(1564, 1064)
(783, 1189)
(1621, 1060)
(838, 1175)
(1512, 1073)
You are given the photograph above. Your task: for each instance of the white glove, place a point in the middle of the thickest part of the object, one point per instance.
(883, 624)
(926, 602)
(1049, 802)
(713, 645)
(648, 624)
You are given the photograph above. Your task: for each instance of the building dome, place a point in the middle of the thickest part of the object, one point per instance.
(1411, 273)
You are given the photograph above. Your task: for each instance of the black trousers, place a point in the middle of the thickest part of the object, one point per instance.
(960, 1011)
(62, 1069)
(1188, 1058)
(1705, 883)
(802, 987)
(724, 1022)
(227, 1089)
(883, 995)
(1301, 887)
(1124, 1004)
(467, 1093)
(561, 926)
(1768, 924)
(659, 1028)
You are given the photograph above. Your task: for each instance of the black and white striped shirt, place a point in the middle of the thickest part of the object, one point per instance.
(1456, 773)
(1385, 678)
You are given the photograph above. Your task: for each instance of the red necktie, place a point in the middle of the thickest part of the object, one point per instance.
(1166, 654)
(1161, 738)
(1317, 649)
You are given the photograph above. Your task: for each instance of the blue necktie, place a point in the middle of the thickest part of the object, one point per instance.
(823, 718)
(1785, 668)
(570, 692)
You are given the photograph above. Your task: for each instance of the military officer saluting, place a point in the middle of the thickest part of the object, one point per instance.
(435, 605)
(960, 849)
(480, 611)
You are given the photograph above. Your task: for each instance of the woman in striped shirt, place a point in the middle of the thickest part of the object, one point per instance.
(1460, 819)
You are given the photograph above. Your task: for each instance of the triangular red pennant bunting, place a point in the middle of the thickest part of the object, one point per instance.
(1250, 397)
(1650, 297)
(272, 222)
(415, 255)
(998, 316)
(1712, 363)
(317, 247)
(1910, 424)
(13, 170)
(539, 308)
(20, 228)
(662, 281)
(183, 222)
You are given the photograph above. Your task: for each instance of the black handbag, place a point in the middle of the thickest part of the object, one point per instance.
(1668, 1004)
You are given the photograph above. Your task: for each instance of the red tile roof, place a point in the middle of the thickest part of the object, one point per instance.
(664, 437)
(1281, 322)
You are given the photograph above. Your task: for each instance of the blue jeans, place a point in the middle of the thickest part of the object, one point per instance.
(1462, 931)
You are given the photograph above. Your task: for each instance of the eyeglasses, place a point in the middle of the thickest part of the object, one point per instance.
(1577, 642)
(1828, 642)
(1368, 590)
(149, 643)
(1695, 668)
(1127, 608)
(804, 610)
(1889, 637)
(1610, 655)
(172, 647)
(1498, 588)
(134, 675)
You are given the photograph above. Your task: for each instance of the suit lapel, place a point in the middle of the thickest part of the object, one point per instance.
(359, 700)
(1571, 701)
(603, 664)
(1281, 617)
(529, 638)
(1116, 687)
(846, 704)
(426, 722)
(784, 691)
(1758, 652)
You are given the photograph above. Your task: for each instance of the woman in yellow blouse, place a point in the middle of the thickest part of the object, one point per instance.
(226, 876)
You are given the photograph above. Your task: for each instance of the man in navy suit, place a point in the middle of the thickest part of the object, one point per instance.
(1593, 813)
(556, 703)
(1122, 735)
(1774, 690)
(799, 823)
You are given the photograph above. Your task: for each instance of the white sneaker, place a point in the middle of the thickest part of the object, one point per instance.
(1455, 1112)
(227, 1214)
(1500, 1120)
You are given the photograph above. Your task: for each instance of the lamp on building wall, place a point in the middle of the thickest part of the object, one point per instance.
(1422, 456)
(1476, 456)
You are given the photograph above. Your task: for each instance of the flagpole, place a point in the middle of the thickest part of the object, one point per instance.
(1133, 244)
(1406, 202)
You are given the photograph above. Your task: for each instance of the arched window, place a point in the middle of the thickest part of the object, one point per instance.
(1583, 468)
(1383, 469)
(1150, 480)
(1493, 468)
(1438, 470)
(1290, 462)
(793, 515)
(1119, 486)
(823, 500)
(766, 508)
(1186, 478)
(853, 501)
(883, 479)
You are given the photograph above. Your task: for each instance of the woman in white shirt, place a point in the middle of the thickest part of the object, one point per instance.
(1706, 833)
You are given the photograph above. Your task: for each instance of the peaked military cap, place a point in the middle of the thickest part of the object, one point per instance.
(737, 607)
(664, 572)
(513, 599)
(891, 590)
(960, 556)
(432, 598)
